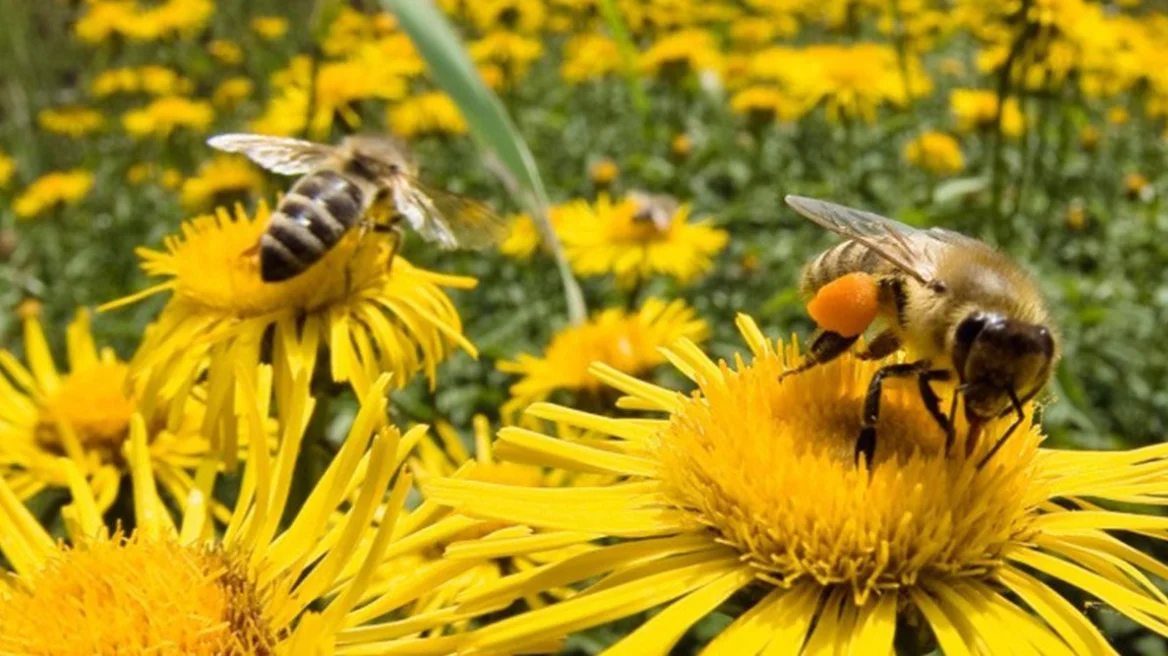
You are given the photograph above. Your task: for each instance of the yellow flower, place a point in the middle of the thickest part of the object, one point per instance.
(51, 190)
(627, 341)
(589, 57)
(1089, 137)
(687, 51)
(610, 238)
(681, 145)
(162, 81)
(603, 172)
(286, 113)
(935, 152)
(523, 236)
(1137, 187)
(154, 80)
(263, 586)
(372, 317)
(764, 104)
(84, 414)
(512, 53)
(226, 51)
(526, 16)
(270, 28)
(340, 84)
(108, 18)
(70, 121)
(753, 32)
(749, 484)
(231, 91)
(219, 179)
(166, 114)
(1117, 115)
(171, 178)
(103, 19)
(852, 82)
(7, 169)
(976, 109)
(426, 113)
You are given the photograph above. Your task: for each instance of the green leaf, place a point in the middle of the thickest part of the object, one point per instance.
(489, 124)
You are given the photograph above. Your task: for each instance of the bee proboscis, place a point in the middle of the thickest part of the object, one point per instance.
(338, 185)
(966, 309)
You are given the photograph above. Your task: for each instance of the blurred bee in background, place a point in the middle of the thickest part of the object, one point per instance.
(655, 209)
(339, 186)
(959, 305)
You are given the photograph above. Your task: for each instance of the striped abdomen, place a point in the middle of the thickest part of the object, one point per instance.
(310, 220)
(839, 260)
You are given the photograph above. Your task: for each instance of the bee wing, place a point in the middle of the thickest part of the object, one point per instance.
(448, 219)
(889, 239)
(279, 154)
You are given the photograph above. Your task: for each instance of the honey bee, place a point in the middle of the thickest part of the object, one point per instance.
(338, 186)
(655, 209)
(961, 306)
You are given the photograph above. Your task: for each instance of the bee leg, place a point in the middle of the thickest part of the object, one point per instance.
(392, 227)
(866, 442)
(826, 347)
(933, 403)
(882, 346)
(1020, 415)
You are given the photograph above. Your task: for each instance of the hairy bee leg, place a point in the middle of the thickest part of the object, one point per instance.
(933, 403)
(826, 347)
(866, 442)
(1021, 417)
(391, 227)
(882, 346)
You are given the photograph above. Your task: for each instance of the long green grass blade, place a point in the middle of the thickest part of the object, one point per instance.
(489, 124)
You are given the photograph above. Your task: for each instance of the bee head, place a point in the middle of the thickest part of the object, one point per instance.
(378, 156)
(998, 358)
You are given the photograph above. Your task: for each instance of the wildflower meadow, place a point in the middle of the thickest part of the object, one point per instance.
(613, 422)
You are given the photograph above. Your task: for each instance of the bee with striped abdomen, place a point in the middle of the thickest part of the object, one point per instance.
(963, 308)
(339, 185)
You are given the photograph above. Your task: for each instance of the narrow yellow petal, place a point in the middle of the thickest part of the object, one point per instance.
(622, 428)
(84, 505)
(1102, 520)
(1070, 623)
(23, 541)
(623, 509)
(949, 636)
(81, 350)
(528, 447)
(583, 566)
(659, 397)
(512, 546)
(876, 627)
(1144, 610)
(588, 610)
(152, 517)
(415, 583)
(136, 296)
(339, 606)
(39, 357)
(661, 633)
(780, 619)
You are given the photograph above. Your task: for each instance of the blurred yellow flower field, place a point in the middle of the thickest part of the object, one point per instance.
(416, 327)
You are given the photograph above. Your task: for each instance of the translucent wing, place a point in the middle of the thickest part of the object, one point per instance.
(447, 219)
(279, 154)
(889, 239)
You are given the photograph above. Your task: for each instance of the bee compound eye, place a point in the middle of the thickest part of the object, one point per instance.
(970, 328)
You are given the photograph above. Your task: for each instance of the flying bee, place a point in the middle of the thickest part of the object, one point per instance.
(657, 209)
(338, 187)
(963, 307)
